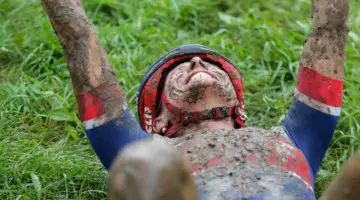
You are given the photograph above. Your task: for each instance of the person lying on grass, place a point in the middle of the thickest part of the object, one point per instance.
(195, 96)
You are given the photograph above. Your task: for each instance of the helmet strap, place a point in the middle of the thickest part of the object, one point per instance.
(184, 118)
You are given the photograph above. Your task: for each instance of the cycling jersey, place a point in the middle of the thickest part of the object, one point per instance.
(309, 124)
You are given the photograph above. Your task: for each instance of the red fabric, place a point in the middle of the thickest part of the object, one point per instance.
(320, 88)
(295, 162)
(148, 100)
(90, 105)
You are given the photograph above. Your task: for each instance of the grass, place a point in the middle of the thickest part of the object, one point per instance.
(43, 151)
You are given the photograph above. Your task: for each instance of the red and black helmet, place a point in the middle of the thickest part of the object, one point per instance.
(150, 91)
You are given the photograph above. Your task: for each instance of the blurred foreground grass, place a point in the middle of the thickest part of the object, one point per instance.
(43, 151)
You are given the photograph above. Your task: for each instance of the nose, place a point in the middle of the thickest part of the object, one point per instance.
(196, 62)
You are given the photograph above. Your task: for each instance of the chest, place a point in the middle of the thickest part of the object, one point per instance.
(245, 163)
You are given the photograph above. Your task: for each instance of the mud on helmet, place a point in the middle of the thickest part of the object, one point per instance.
(151, 90)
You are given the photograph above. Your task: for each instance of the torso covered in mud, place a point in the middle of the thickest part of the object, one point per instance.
(249, 163)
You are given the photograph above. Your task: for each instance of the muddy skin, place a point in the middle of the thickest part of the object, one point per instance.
(90, 68)
(87, 60)
(193, 93)
(231, 170)
(154, 170)
(151, 170)
(346, 185)
(324, 53)
(203, 126)
(324, 48)
(225, 93)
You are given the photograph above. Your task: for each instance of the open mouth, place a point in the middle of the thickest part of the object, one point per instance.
(187, 80)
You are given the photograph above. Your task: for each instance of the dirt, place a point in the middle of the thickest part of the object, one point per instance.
(87, 60)
(234, 162)
(220, 159)
(226, 164)
(71, 23)
(324, 48)
(196, 90)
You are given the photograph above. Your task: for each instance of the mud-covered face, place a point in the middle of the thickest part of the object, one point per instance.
(197, 82)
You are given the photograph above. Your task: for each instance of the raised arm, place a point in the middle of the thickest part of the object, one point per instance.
(101, 102)
(313, 116)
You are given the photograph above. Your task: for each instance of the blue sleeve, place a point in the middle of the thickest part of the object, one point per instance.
(311, 131)
(114, 135)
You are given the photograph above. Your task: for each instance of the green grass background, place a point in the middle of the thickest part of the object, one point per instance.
(44, 153)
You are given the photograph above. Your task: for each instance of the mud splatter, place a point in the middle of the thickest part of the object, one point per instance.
(227, 93)
(192, 93)
(237, 160)
(195, 94)
(87, 60)
(324, 47)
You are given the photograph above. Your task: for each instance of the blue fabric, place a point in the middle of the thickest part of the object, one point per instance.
(291, 186)
(311, 131)
(111, 137)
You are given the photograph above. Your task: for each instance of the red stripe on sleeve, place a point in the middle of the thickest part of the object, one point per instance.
(91, 104)
(320, 88)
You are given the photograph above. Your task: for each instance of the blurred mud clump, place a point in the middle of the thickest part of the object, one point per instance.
(151, 170)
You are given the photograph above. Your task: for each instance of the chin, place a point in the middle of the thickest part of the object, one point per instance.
(205, 96)
(202, 83)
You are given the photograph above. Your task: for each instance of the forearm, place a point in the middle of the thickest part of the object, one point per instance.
(321, 70)
(324, 49)
(94, 80)
(109, 125)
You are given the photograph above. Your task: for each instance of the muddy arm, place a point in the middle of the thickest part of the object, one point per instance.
(89, 66)
(324, 48)
(101, 103)
(313, 116)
